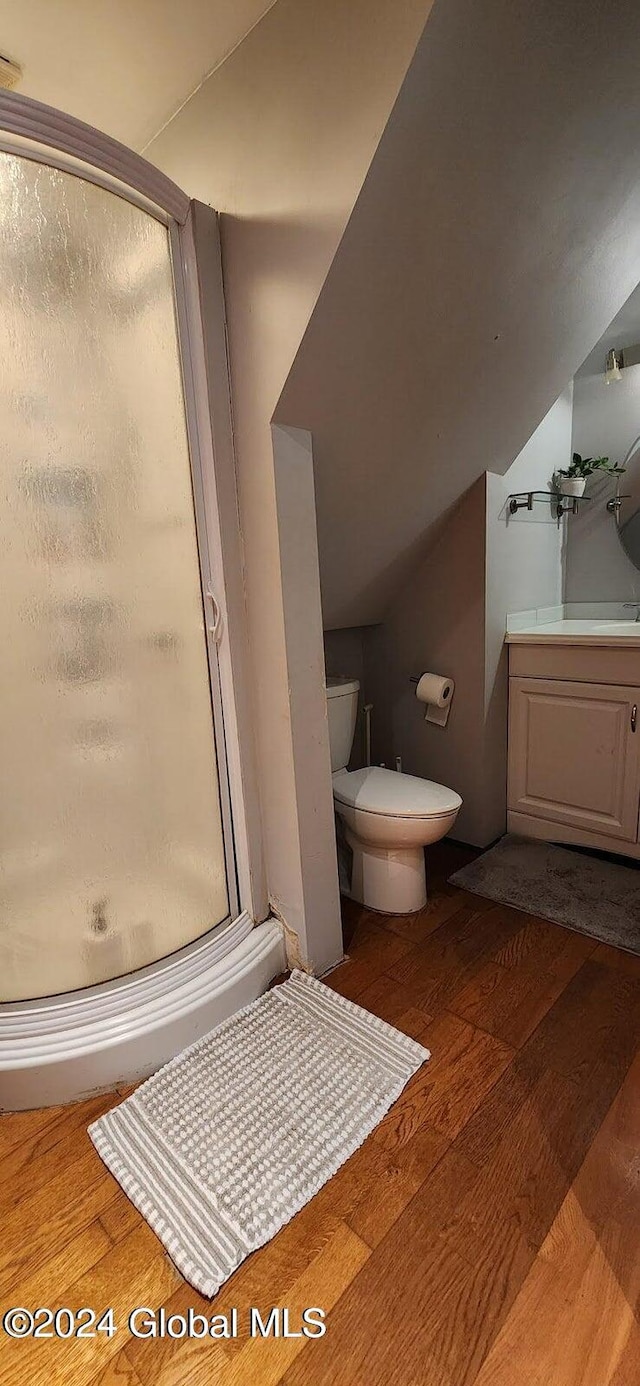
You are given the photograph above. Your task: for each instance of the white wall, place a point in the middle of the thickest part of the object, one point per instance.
(497, 233)
(524, 569)
(279, 140)
(606, 419)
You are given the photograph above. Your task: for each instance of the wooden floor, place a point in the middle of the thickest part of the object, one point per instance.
(488, 1232)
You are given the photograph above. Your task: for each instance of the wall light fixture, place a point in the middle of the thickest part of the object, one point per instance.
(617, 361)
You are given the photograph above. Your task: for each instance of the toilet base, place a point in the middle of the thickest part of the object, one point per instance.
(389, 880)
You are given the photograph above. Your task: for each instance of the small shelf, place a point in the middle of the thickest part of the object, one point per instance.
(524, 500)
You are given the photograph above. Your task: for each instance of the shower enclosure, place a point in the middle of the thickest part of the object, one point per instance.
(116, 824)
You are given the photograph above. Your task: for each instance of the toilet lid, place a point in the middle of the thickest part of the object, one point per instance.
(376, 790)
(338, 684)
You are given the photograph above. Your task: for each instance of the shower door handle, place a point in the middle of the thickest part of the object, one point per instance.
(215, 626)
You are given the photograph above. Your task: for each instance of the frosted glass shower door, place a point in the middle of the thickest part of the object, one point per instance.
(112, 851)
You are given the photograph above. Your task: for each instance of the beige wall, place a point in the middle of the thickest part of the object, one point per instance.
(437, 623)
(344, 654)
(279, 140)
(314, 917)
(126, 66)
(451, 618)
(496, 235)
(493, 240)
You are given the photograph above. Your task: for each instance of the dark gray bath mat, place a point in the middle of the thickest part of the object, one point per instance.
(581, 892)
(221, 1147)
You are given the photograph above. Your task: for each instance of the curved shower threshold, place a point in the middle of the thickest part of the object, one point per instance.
(64, 1048)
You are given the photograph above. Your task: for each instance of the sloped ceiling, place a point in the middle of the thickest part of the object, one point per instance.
(125, 66)
(279, 141)
(496, 235)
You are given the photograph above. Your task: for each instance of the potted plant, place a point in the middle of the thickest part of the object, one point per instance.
(571, 481)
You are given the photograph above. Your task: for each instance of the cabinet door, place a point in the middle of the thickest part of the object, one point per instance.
(573, 754)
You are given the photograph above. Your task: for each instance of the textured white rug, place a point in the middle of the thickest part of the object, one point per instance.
(221, 1147)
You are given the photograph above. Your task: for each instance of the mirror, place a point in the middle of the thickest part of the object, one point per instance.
(628, 506)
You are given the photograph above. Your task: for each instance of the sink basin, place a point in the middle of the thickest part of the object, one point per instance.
(616, 627)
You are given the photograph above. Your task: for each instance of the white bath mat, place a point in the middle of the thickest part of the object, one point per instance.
(221, 1147)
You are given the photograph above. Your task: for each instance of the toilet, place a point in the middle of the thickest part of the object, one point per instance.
(389, 818)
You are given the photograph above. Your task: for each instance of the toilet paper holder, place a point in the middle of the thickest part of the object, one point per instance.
(438, 706)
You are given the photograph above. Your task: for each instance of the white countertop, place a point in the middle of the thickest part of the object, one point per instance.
(578, 633)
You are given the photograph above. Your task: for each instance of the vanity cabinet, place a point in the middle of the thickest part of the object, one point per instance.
(574, 754)
(574, 746)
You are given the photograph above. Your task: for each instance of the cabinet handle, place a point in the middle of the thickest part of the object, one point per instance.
(634, 716)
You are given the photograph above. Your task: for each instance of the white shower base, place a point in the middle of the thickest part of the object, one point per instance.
(63, 1048)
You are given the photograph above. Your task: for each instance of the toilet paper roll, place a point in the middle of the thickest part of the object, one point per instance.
(436, 691)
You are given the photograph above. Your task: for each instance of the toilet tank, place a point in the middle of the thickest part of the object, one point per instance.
(342, 709)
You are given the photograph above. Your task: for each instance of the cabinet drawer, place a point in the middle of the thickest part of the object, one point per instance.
(591, 664)
(573, 755)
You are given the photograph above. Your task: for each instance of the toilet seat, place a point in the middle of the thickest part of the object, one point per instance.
(392, 794)
(387, 818)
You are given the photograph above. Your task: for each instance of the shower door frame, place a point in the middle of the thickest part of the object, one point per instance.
(32, 130)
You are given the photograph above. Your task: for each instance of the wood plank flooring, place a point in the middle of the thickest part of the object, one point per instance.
(486, 1234)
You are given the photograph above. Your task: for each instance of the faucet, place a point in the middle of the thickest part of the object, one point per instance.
(635, 606)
